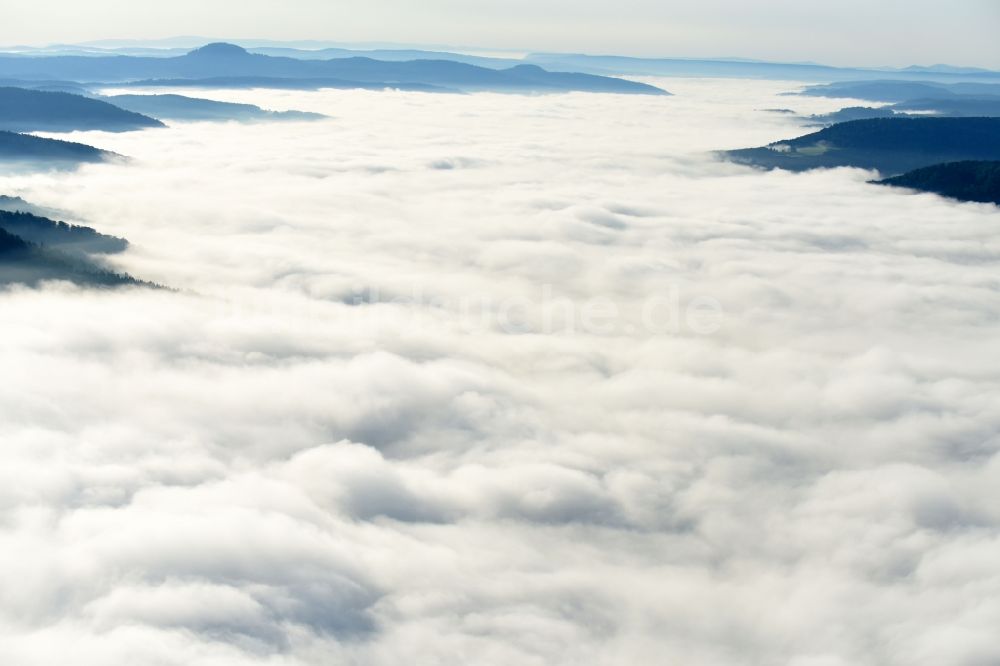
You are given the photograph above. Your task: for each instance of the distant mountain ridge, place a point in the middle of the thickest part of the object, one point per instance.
(895, 90)
(908, 99)
(218, 61)
(954, 107)
(603, 64)
(742, 68)
(243, 82)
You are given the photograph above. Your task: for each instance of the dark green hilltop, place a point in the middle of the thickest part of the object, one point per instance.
(889, 145)
(964, 181)
(34, 249)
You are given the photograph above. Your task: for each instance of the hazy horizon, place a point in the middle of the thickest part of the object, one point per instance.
(852, 33)
(195, 41)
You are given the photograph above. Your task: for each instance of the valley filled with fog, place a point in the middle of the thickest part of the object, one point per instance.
(502, 379)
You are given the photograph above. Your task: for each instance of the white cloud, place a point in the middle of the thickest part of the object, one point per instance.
(325, 447)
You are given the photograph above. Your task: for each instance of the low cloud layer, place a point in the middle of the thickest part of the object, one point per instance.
(435, 388)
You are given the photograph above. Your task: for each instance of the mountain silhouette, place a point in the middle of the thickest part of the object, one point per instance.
(734, 68)
(220, 60)
(245, 82)
(958, 106)
(900, 91)
(219, 51)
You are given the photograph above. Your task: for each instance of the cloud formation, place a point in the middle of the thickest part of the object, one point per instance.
(364, 430)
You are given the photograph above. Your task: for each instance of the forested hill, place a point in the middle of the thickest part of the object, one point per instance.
(35, 249)
(965, 181)
(25, 148)
(889, 145)
(23, 110)
(44, 231)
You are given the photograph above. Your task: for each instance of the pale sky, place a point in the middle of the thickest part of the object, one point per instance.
(839, 32)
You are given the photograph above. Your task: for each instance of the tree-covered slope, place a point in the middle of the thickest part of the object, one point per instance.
(965, 181)
(22, 262)
(23, 110)
(25, 148)
(34, 248)
(51, 233)
(956, 106)
(889, 145)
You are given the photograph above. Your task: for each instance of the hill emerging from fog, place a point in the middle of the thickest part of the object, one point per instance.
(850, 113)
(888, 145)
(56, 234)
(23, 262)
(27, 149)
(34, 249)
(227, 61)
(23, 110)
(180, 107)
(965, 181)
(18, 205)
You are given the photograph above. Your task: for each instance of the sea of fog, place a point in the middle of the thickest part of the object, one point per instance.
(499, 379)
